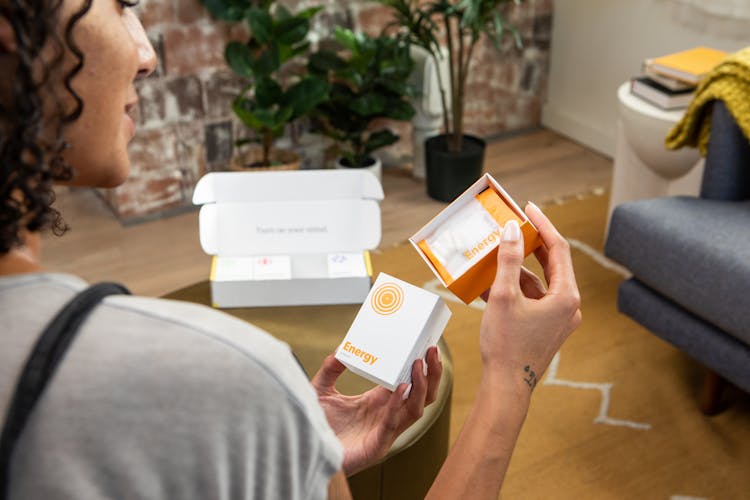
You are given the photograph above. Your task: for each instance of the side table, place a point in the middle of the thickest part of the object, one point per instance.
(313, 332)
(643, 166)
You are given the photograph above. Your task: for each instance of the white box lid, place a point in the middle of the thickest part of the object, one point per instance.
(288, 212)
(291, 185)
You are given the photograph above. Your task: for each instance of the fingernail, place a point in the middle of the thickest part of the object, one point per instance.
(440, 355)
(535, 206)
(424, 367)
(406, 393)
(511, 231)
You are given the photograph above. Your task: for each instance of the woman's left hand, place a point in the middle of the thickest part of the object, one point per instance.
(369, 423)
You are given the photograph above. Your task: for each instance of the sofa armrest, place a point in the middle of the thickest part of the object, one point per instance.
(727, 172)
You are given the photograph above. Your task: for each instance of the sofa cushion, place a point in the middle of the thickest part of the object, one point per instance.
(695, 252)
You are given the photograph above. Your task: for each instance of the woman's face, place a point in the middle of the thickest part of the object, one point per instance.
(116, 52)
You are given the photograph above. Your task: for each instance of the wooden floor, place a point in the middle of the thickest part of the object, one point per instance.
(156, 257)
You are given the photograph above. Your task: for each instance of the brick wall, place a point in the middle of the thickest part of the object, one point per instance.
(186, 128)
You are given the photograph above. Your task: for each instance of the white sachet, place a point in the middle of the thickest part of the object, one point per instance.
(464, 238)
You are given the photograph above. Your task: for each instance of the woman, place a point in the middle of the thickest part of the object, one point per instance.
(160, 399)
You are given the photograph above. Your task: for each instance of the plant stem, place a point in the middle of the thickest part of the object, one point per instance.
(462, 86)
(458, 108)
(267, 143)
(451, 58)
(468, 62)
(359, 157)
(443, 102)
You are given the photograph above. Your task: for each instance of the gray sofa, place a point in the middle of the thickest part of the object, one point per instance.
(690, 260)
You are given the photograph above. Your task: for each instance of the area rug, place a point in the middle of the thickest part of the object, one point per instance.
(616, 414)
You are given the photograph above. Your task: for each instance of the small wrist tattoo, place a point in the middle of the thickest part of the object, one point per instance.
(530, 378)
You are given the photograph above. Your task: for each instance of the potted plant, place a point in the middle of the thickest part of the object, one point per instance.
(368, 81)
(278, 90)
(453, 159)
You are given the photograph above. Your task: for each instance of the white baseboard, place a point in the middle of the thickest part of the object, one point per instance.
(570, 126)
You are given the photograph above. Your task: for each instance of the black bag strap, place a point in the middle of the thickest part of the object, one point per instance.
(46, 355)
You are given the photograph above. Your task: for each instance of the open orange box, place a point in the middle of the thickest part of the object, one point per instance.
(479, 249)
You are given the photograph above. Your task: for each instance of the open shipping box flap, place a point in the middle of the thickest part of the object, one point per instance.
(295, 212)
(292, 185)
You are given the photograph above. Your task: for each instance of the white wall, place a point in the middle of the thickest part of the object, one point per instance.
(598, 44)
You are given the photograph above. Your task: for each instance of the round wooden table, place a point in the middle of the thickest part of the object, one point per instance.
(313, 332)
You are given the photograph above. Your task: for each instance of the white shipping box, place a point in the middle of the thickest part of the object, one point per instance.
(395, 326)
(289, 280)
(289, 237)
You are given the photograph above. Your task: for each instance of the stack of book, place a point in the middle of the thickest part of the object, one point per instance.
(669, 81)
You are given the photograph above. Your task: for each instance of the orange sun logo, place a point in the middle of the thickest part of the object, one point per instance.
(387, 299)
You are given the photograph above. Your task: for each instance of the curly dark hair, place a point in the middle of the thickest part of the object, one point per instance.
(29, 162)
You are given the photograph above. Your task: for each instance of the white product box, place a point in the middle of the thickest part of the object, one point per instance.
(289, 237)
(395, 326)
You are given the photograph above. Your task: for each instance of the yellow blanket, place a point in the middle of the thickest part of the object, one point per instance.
(730, 82)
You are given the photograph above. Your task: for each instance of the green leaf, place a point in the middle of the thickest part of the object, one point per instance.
(277, 132)
(287, 52)
(291, 31)
(498, 24)
(239, 58)
(261, 24)
(282, 13)
(369, 105)
(470, 12)
(380, 139)
(399, 110)
(347, 38)
(399, 87)
(309, 12)
(349, 158)
(324, 61)
(268, 92)
(516, 37)
(266, 117)
(341, 91)
(283, 116)
(243, 109)
(267, 62)
(226, 10)
(305, 95)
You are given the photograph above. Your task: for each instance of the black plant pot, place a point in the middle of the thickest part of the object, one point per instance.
(448, 173)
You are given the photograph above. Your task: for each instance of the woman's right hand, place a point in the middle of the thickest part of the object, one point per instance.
(523, 325)
(522, 328)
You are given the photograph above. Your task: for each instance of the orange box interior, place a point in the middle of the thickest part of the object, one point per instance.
(478, 278)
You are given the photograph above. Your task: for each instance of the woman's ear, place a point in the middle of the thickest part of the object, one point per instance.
(7, 37)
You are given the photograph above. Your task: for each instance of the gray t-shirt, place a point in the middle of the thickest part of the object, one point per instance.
(161, 399)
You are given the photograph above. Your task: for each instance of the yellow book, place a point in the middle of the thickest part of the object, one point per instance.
(687, 66)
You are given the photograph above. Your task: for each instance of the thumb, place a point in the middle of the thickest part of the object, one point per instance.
(328, 373)
(509, 258)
